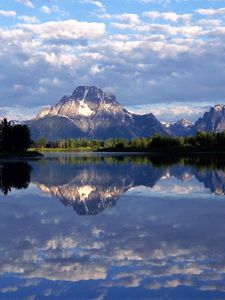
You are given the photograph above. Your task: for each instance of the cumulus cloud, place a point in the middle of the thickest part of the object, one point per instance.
(27, 3)
(8, 13)
(159, 2)
(168, 16)
(162, 55)
(170, 112)
(28, 19)
(54, 9)
(211, 11)
(68, 30)
(18, 112)
(45, 9)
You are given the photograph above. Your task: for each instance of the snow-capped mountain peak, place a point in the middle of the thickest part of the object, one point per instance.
(219, 107)
(92, 94)
(166, 124)
(85, 101)
(91, 112)
(184, 123)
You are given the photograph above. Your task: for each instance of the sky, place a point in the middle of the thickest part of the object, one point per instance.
(160, 56)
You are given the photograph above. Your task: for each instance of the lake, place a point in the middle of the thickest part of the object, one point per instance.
(112, 227)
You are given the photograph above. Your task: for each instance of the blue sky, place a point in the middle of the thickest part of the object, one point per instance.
(163, 56)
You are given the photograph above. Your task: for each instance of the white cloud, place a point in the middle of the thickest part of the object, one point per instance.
(66, 30)
(210, 22)
(170, 112)
(27, 3)
(98, 4)
(8, 13)
(159, 2)
(211, 11)
(163, 54)
(168, 16)
(28, 19)
(18, 112)
(54, 9)
(128, 17)
(45, 9)
(50, 82)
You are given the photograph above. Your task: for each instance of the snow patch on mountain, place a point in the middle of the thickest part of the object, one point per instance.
(43, 113)
(184, 123)
(219, 107)
(84, 109)
(166, 124)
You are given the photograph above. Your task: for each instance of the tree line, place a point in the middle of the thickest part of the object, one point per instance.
(14, 137)
(200, 141)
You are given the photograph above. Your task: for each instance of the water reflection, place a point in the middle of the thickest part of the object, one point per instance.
(92, 184)
(142, 248)
(14, 175)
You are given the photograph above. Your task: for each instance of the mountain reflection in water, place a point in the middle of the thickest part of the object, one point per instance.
(93, 183)
(141, 248)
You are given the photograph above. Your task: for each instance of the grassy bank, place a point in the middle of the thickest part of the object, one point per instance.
(199, 143)
(170, 151)
(78, 149)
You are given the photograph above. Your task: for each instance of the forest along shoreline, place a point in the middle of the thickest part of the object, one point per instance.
(15, 141)
(201, 142)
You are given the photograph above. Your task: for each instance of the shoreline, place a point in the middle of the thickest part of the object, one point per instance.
(24, 154)
(164, 152)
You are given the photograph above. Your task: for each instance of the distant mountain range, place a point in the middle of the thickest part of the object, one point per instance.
(92, 113)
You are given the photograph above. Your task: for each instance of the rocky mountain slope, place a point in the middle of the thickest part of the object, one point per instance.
(90, 112)
(213, 120)
(182, 127)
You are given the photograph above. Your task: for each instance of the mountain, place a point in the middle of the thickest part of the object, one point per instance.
(213, 120)
(166, 124)
(92, 113)
(182, 127)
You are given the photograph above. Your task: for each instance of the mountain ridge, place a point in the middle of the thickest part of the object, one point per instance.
(92, 113)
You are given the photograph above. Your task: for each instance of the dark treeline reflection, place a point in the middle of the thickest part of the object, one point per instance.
(199, 161)
(203, 161)
(14, 175)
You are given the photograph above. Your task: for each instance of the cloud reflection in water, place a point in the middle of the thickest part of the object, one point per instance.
(143, 247)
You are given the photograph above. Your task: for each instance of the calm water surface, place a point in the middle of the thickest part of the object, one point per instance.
(104, 227)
